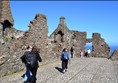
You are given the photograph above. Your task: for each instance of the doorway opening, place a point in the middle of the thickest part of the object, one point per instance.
(89, 46)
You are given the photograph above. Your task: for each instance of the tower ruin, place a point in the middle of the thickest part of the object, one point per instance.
(6, 19)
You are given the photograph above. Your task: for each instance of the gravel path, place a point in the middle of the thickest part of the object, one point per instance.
(80, 70)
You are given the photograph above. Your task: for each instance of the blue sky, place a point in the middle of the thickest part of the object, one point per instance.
(89, 16)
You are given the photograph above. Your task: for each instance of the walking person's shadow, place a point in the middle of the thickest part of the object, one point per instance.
(59, 69)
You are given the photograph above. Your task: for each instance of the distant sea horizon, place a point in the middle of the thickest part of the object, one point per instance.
(112, 48)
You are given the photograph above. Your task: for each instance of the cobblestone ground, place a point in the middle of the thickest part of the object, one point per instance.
(80, 70)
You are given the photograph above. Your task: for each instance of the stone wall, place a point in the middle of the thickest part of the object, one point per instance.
(100, 47)
(5, 12)
(38, 34)
(78, 41)
(7, 31)
(10, 57)
(60, 38)
(12, 51)
(6, 18)
(115, 55)
(50, 47)
(63, 37)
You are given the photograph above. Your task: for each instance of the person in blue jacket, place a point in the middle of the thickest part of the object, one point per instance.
(65, 58)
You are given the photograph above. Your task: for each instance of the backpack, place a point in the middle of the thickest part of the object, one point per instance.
(30, 60)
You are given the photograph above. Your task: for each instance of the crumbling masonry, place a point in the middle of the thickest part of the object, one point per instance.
(13, 42)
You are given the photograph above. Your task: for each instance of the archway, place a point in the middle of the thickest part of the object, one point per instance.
(5, 24)
(59, 36)
(89, 46)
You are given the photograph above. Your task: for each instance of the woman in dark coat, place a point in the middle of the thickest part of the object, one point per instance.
(33, 70)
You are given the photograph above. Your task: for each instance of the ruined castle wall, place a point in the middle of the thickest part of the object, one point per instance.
(58, 39)
(5, 12)
(100, 47)
(78, 41)
(115, 55)
(38, 33)
(12, 51)
(67, 38)
(7, 31)
(62, 37)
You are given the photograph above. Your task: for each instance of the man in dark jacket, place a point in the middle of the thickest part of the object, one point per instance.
(26, 76)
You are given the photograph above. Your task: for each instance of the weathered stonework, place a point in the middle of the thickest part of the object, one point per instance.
(38, 34)
(14, 42)
(13, 50)
(6, 18)
(5, 12)
(60, 37)
(63, 37)
(7, 31)
(115, 55)
(100, 47)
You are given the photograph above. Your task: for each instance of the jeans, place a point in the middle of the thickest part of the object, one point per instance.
(27, 74)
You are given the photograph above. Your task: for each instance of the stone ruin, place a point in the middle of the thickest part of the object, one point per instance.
(63, 37)
(12, 50)
(6, 23)
(50, 47)
(114, 55)
(99, 47)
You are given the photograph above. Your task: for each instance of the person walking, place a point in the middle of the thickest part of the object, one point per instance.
(88, 52)
(81, 54)
(65, 58)
(31, 58)
(71, 52)
(26, 76)
(34, 66)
